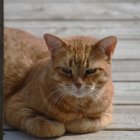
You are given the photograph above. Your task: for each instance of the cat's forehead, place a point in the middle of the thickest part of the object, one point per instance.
(78, 55)
(79, 50)
(81, 41)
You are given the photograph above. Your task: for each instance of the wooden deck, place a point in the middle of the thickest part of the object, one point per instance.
(98, 18)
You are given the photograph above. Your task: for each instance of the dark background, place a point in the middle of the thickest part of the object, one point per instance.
(1, 63)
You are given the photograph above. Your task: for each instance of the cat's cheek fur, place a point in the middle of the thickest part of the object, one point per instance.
(55, 77)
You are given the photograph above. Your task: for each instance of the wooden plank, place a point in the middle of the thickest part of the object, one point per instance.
(126, 76)
(119, 65)
(124, 118)
(127, 93)
(126, 49)
(82, 11)
(102, 135)
(123, 29)
(71, 1)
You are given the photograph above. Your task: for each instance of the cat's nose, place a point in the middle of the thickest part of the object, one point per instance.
(78, 85)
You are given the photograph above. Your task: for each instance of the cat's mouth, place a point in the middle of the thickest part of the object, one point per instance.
(79, 94)
(74, 91)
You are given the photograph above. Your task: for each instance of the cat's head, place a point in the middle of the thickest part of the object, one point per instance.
(80, 65)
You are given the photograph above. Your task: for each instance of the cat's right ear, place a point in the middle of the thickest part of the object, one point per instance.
(53, 43)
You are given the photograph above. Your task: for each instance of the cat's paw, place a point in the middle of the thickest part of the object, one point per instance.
(88, 125)
(74, 126)
(57, 129)
(46, 128)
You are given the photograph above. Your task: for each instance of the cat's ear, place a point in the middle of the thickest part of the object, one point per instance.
(53, 42)
(107, 45)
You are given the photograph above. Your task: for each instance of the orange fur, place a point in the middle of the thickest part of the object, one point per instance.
(48, 93)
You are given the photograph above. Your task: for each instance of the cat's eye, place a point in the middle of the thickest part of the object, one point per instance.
(90, 71)
(67, 71)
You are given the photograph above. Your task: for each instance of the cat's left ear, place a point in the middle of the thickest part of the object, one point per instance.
(107, 45)
(53, 42)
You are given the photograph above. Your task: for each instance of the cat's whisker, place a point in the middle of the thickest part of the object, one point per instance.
(91, 96)
(98, 97)
(52, 99)
(94, 92)
(58, 100)
(94, 99)
(52, 93)
(62, 94)
(55, 97)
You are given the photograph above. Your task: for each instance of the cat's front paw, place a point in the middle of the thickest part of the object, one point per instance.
(81, 126)
(46, 128)
(56, 129)
(88, 125)
(74, 126)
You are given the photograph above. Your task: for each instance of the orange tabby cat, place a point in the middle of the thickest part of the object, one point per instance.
(66, 89)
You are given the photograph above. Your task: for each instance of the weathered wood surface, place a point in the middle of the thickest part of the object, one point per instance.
(127, 48)
(127, 65)
(71, 1)
(72, 11)
(127, 93)
(121, 29)
(127, 76)
(98, 18)
(102, 135)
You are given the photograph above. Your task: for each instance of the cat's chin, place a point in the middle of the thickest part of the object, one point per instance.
(78, 94)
